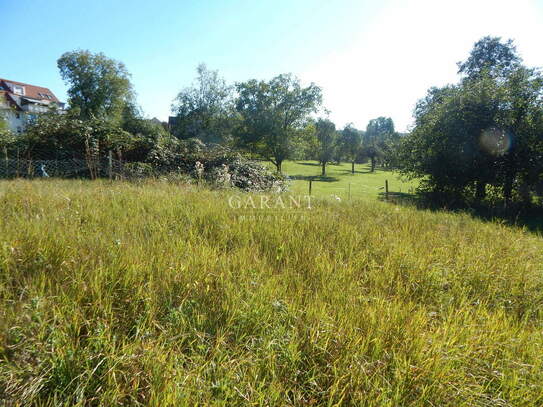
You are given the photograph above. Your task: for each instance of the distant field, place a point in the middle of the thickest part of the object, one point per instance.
(163, 295)
(339, 179)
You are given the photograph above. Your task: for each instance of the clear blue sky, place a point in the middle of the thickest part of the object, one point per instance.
(371, 57)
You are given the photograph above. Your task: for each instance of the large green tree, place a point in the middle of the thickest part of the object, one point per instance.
(486, 130)
(445, 143)
(99, 87)
(520, 125)
(273, 113)
(205, 109)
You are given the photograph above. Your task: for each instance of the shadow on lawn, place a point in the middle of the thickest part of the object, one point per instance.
(314, 178)
(357, 172)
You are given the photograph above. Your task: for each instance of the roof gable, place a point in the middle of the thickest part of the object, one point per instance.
(30, 91)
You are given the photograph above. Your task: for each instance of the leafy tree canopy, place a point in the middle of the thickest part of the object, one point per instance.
(485, 131)
(99, 87)
(272, 114)
(326, 137)
(204, 110)
(492, 56)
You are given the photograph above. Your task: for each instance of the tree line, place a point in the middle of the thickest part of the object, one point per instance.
(274, 120)
(478, 141)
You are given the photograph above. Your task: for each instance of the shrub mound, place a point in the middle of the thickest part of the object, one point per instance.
(219, 166)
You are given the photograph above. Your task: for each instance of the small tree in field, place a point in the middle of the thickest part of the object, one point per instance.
(326, 137)
(351, 143)
(377, 131)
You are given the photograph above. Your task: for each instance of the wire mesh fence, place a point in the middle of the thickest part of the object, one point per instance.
(20, 167)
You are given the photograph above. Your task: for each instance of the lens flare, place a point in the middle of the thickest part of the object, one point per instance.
(495, 141)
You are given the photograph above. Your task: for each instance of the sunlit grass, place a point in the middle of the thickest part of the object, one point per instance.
(340, 181)
(163, 295)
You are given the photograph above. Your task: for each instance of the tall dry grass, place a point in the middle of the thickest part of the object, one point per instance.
(165, 296)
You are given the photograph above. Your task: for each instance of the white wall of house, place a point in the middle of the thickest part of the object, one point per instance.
(16, 120)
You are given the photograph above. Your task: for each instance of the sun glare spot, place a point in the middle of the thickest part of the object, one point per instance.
(495, 141)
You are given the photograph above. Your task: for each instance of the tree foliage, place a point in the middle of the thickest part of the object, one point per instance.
(56, 135)
(350, 144)
(378, 131)
(326, 138)
(272, 114)
(484, 133)
(99, 87)
(204, 110)
(492, 57)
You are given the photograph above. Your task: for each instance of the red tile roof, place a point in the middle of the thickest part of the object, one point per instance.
(31, 91)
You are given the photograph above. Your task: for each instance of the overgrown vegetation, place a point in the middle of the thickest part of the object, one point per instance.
(151, 295)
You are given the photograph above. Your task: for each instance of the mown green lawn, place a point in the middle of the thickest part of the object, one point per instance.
(339, 180)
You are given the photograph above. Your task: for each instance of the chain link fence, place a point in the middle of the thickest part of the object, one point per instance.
(21, 167)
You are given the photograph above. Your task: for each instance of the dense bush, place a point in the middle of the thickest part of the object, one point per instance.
(140, 148)
(219, 166)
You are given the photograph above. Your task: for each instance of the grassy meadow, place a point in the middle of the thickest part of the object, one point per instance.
(164, 295)
(341, 182)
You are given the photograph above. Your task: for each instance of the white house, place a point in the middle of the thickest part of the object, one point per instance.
(21, 102)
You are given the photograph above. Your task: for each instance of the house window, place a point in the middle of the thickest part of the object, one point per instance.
(18, 90)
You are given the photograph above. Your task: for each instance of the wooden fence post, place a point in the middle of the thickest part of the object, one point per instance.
(110, 165)
(386, 189)
(310, 185)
